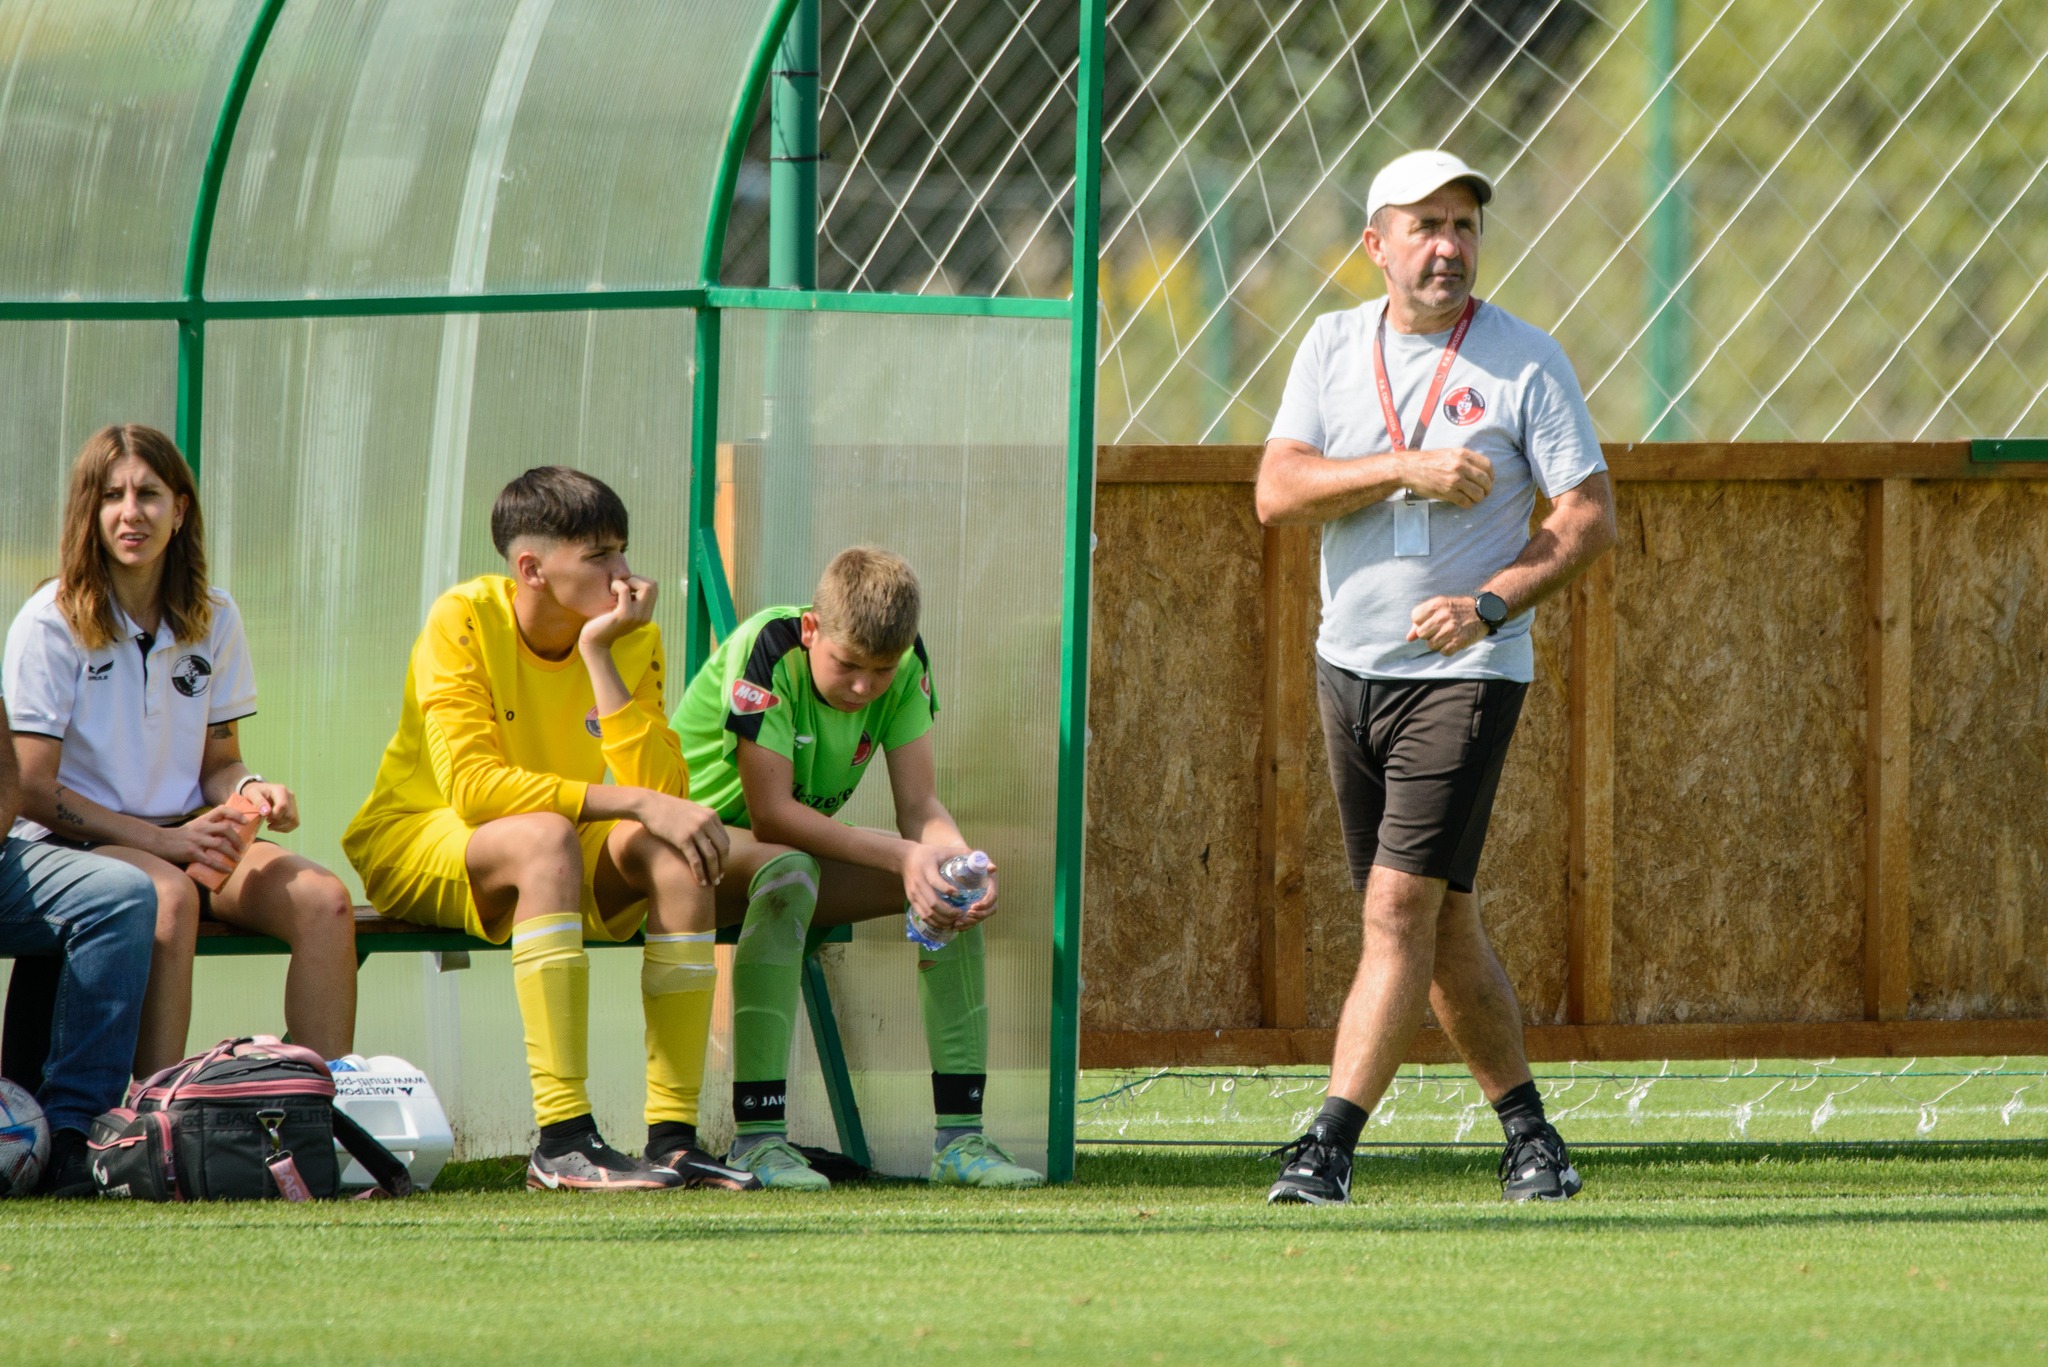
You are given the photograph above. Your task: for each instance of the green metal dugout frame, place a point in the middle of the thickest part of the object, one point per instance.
(709, 609)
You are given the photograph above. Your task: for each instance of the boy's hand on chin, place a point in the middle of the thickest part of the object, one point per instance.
(632, 608)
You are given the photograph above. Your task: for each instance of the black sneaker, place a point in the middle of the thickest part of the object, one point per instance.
(1537, 1167)
(68, 1174)
(699, 1169)
(1318, 1173)
(593, 1165)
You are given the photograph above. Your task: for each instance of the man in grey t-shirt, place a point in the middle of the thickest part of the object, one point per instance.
(1417, 430)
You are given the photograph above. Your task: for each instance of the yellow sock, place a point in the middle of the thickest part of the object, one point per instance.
(551, 975)
(676, 978)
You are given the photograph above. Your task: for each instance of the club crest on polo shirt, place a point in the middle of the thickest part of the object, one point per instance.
(593, 725)
(1463, 406)
(750, 699)
(100, 673)
(191, 674)
(863, 750)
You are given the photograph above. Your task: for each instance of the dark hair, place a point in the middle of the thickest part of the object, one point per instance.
(559, 504)
(86, 594)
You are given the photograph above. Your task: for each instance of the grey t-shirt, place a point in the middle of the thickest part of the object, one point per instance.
(1511, 396)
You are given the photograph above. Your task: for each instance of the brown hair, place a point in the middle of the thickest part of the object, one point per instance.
(868, 599)
(85, 594)
(556, 503)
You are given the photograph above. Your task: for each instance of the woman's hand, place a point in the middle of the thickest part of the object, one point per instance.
(275, 803)
(215, 838)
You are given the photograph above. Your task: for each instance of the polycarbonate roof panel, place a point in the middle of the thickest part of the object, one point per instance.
(480, 146)
(107, 108)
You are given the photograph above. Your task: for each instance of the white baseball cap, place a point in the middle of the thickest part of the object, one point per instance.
(1417, 175)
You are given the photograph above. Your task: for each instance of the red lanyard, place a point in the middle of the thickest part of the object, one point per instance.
(1436, 386)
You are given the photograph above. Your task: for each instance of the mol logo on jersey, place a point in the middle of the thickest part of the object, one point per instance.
(750, 699)
(593, 725)
(1463, 406)
(863, 750)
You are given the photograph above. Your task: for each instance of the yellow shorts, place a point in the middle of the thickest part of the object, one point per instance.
(414, 868)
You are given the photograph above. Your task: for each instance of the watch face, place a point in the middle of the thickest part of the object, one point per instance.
(1492, 609)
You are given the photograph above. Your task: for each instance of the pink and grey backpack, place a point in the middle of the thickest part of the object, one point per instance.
(249, 1119)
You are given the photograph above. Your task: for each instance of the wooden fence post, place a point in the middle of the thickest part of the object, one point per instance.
(1887, 739)
(1291, 594)
(1589, 993)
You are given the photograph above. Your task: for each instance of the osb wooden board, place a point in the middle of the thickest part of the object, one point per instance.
(1739, 763)
(1176, 692)
(1979, 795)
(1521, 878)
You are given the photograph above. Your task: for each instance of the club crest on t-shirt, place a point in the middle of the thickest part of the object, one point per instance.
(1463, 406)
(593, 725)
(191, 674)
(863, 750)
(750, 699)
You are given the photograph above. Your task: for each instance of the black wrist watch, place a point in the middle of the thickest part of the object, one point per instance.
(1492, 610)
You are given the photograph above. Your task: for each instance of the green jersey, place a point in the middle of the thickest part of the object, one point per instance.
(757, 686)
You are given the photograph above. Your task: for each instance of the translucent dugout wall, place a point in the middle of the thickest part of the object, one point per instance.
(59, 382)
(943, 439)
(491, 146)
(107, 108)
(247, 222)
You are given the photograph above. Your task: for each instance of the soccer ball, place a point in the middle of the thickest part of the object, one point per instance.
(24, 1140)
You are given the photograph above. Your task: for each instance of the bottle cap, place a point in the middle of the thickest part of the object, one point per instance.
(978, 861)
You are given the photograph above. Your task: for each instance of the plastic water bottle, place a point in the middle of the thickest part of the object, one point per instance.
(968, 873)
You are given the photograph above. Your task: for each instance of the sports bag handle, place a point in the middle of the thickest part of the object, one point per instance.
(382, 1164)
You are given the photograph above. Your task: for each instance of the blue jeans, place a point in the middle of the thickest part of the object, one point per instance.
(99, 916)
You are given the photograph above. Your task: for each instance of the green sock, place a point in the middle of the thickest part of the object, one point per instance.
(766, 972)
(952, 992)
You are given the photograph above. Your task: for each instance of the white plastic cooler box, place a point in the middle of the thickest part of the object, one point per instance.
(393, 1101)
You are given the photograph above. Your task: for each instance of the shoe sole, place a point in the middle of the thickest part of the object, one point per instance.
(697, 1178)
(1302, 1198)
(535, 1182)
(1570, 1187)
(707, 1181)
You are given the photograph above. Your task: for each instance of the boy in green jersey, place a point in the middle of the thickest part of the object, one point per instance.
(778, 728)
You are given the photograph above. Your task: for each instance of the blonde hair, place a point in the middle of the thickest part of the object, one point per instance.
(868, 599)
(85, 594)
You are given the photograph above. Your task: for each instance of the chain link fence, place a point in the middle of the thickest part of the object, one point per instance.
(1744, 219)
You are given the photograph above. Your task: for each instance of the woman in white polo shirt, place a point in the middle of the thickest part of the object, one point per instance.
(125, 679)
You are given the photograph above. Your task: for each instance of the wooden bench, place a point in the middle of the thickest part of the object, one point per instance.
(377, 934)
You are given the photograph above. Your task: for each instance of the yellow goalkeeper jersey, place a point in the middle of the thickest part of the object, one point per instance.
(490, 729)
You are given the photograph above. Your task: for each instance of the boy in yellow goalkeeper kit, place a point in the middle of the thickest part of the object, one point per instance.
(490, 816)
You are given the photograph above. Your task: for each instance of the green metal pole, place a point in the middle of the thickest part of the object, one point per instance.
(698, 625)
(1667, 359)
(793, 156)
(199, 244)
(1065, 1062)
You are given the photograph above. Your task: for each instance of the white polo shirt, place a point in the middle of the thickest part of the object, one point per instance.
(133, 723)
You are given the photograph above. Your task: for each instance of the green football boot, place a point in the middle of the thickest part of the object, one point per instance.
(975, 1160)
(780, 1167)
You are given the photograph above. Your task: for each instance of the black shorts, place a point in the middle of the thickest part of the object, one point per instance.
(1415, 764)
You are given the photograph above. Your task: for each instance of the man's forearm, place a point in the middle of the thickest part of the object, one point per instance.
(1561, 549)
(1296, 486)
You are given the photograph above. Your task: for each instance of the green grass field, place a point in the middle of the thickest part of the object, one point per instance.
(1919, 1252)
